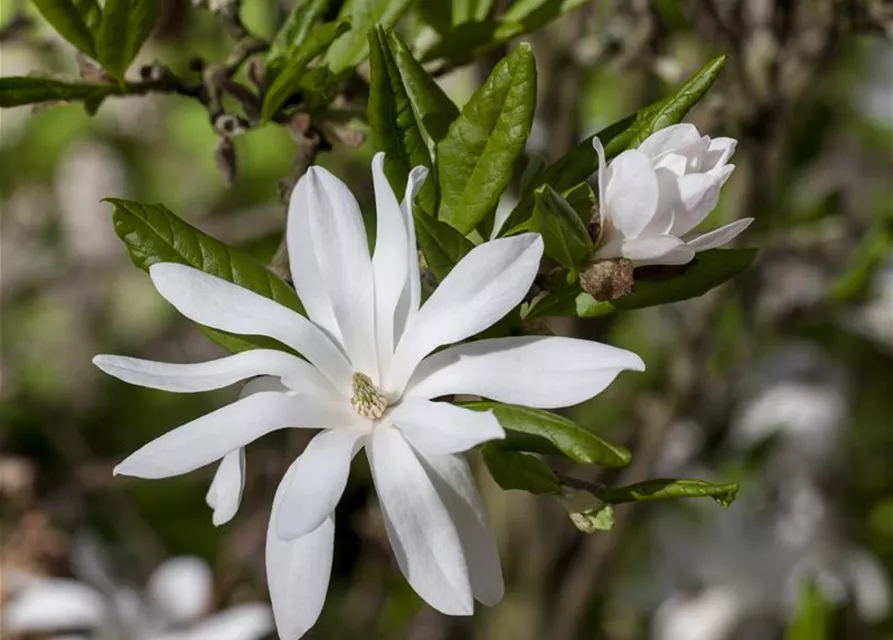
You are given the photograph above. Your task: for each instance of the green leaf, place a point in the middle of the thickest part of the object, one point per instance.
(470, 40)
(600, 518)
(363, 15)
(540, 431)
(153, 234)
(813, 616)
(565, 237)
(534, 14)
(514, 470)
(442, 245)
(16, 91)
(124, 28)
(709, 269)
(288, 81)
(856, 280)
(476, 159)
(582, 161)
(292, 33)
(76, 20)
(663, 489)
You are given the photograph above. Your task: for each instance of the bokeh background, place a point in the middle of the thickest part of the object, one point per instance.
(781, 380)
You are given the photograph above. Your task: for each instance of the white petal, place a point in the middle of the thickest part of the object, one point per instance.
(248, 621)
(631, 193)
(53, 605)
(214, 435)
(181, 588)
(535, 371)
(721, 174)
(672, 162)
(719, 152)
(342, 253)
(455, 484)
(298, 375)
(225, 492)
(672, 138)
(411, 297)
(649, 250)
(719, 237)
(317, 481)
(422, 533)
(698, 195)
(486, 284)
(441, 427)
(298, 571)
(669, 202)
(602, 178)
(223, 305)
(390, 263)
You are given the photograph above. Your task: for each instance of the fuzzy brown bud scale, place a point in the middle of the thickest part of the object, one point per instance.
(608, 279)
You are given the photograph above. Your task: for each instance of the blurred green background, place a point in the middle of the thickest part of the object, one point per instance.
(781, 380)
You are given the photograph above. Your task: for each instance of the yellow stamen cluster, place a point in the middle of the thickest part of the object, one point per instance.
(365, 397)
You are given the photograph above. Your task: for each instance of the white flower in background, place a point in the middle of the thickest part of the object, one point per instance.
(652, 197)
(369, 381)
(172, 607)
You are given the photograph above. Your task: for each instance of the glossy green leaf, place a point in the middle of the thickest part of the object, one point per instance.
(297, 25)
(540, 431)
(441, 245)
(16, 91)
(516, 470)
(153, 234)
(124, 28)
(76, 20)
(581, 162)
(566, 239)
(664, 489)
(709, 270)
(475, 161)
(353, 47)
(288, 81)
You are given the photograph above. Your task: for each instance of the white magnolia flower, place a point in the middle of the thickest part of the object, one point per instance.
(172, 607)
(369, 380)
(652, 197)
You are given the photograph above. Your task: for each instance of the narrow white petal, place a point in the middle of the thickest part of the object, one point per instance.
(298, 375)
(298, 571)
(225, 492)
(649, 250)
(181, 588)
(631, 193)
(719, 237)
(222, 305)
(602, 178)
(669, 138)
(422, 533)
(698, 195)
(51, 605)
(248, 621)
(536, 371)
(390, 262)
(719, 152)
(411, 297)
(318, 479)
(212, 436)
(342, 253)
(455, 484)
(722, 173)
(675, 163)
(486, 284)
(441, 427)
(669, 201)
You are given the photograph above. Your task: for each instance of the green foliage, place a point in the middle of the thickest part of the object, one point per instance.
(812, 620)
(709, 269)
(874, 249)
(540, 431)
(406, 108)
(565, 234)
(663, 489)
(353, 47)
(515, 470)
(16, 91)
(475, 161)
(288, 80)
(290, 36)
(441, 245)
(153, 234)
(582, 161)
(124, 28)
(76, 20)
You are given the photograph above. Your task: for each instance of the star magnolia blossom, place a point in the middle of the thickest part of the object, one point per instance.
(369, 381)
(652, 197)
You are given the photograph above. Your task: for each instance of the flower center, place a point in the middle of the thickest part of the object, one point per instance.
(365, 398)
